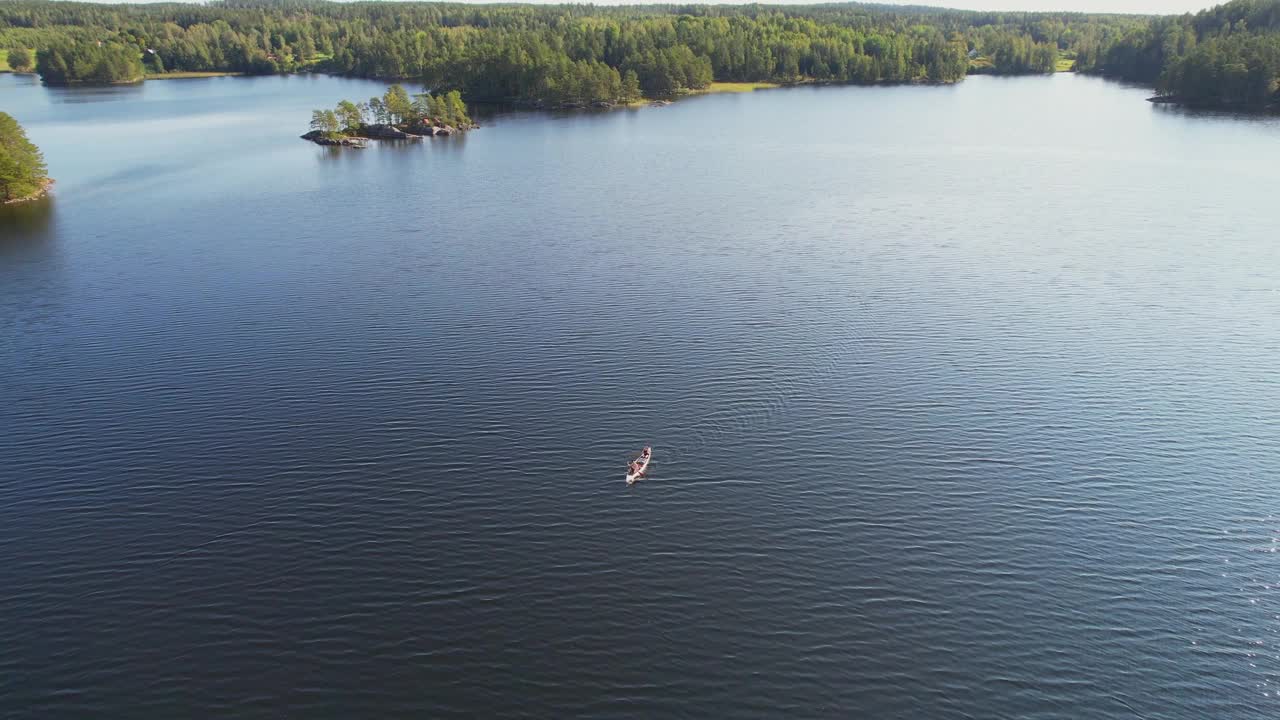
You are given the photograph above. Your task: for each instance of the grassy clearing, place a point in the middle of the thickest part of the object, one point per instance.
(1065, 64)
(315, 61)
(188, 75)
(738, 87)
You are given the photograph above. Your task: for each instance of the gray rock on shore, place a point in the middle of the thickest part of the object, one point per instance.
(320, 138)
(432, 128)
(385, 132)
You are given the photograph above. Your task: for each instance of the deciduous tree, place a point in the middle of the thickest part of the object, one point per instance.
(20, 59)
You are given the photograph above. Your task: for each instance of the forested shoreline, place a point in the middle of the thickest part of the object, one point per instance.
(23, 175)
(573, 55)
(1227, 56)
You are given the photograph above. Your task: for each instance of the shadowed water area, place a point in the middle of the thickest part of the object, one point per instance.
(965, 403)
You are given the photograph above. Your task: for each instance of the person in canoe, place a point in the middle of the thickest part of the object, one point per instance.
(637, 466)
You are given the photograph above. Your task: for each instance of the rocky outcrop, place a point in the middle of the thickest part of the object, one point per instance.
(320, 138)
(385, 132)
(40, 192)
(414, 131)
(431, 128)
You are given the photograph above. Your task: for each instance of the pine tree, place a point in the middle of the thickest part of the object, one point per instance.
(630, 86)
(325, 121)
(399, 106)
(378, 109)
(436, 109)
(349, 115)
(457, 109)
(22, 168)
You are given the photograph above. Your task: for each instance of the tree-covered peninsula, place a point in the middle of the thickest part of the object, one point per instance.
(566, 55)
(65, 62)
(1228, 56)
(393, 116)
(23, 175)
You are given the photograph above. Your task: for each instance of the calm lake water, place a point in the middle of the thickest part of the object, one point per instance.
(965, 404)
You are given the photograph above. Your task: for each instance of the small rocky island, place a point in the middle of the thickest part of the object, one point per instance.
(394, 116)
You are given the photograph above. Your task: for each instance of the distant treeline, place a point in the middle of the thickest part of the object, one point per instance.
(578, 54)
(1225, 56)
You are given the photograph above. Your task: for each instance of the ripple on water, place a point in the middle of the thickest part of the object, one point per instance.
(944, 426)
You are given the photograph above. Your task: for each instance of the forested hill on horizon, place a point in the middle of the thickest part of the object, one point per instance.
(557, 55)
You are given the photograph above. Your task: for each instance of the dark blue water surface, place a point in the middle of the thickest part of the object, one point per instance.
(965, 404)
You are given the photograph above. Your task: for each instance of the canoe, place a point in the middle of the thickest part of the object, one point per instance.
(643, 460)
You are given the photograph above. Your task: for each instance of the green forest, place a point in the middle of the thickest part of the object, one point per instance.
(65, 61)
(22, 169)
(566, 55)
(1228, 56)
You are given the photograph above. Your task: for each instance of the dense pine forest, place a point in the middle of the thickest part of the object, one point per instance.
(580, 54)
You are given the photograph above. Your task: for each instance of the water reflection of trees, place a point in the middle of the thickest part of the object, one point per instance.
(25, 226)
(82, 94)
(32, 278)
(1232, 114)
(336, 154)
(451, 144)
(397, 149)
